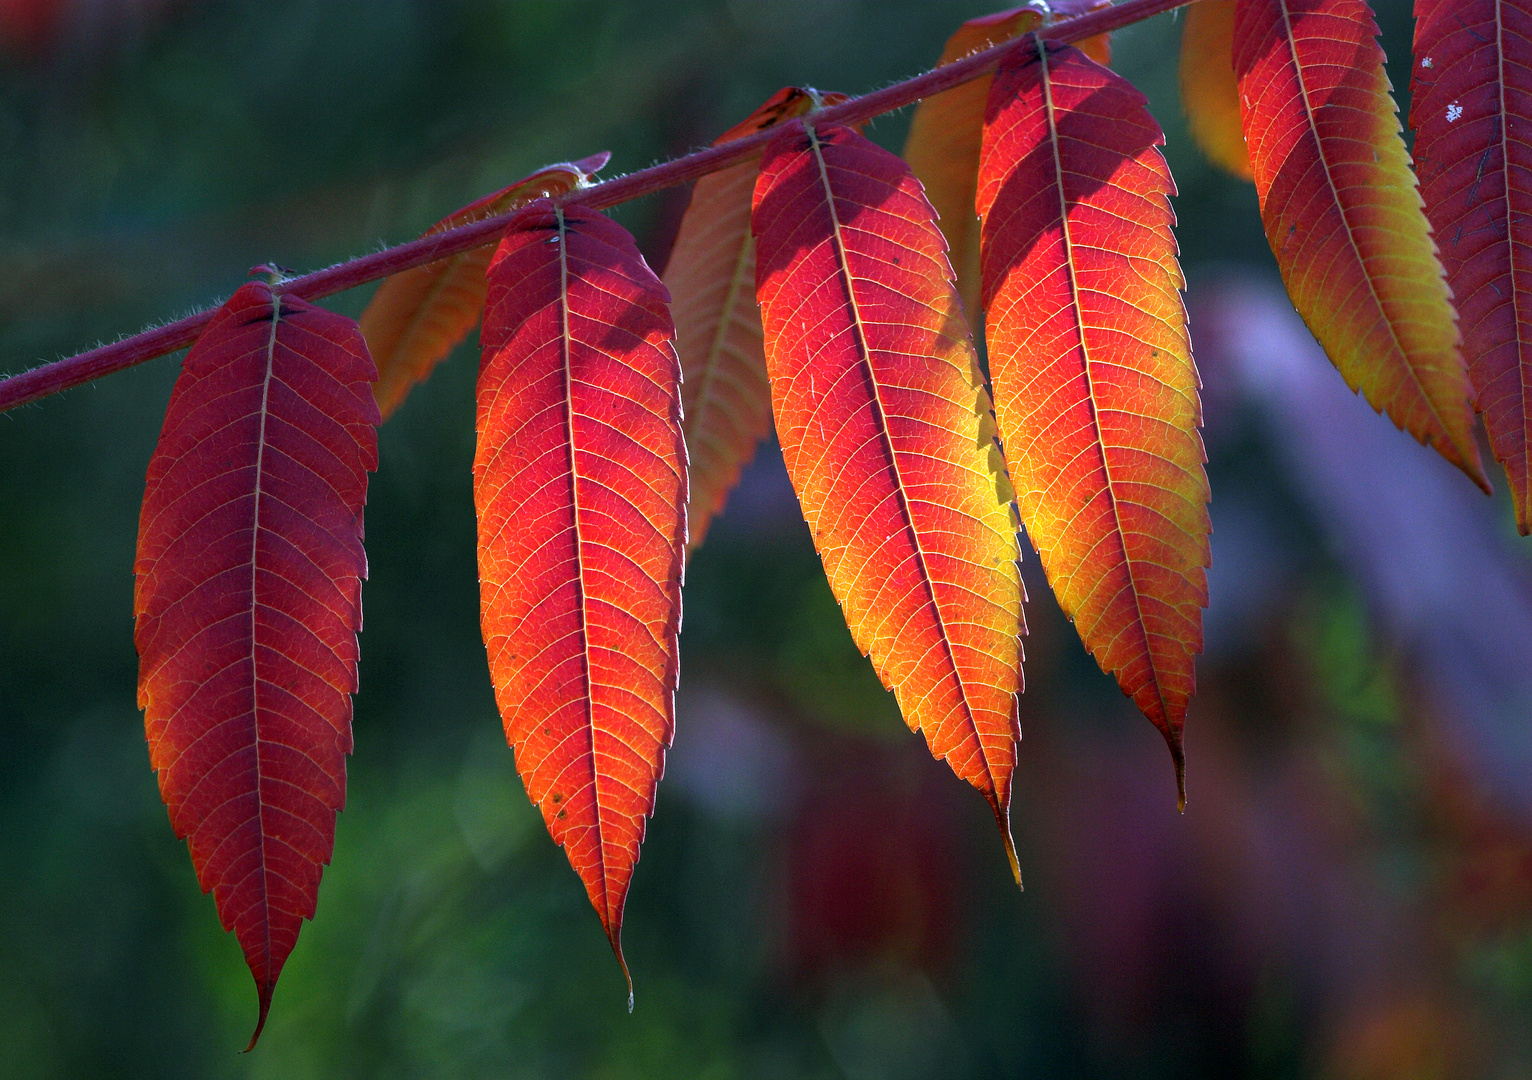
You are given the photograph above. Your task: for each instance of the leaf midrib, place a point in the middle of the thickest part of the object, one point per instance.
(579, 558)
(1090, 384)
(716, 349)
(1510, 242)
(893, 459)
(255, 682)
(1340, 207)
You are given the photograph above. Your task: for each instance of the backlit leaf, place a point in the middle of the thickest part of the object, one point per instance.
(1343, 215)
(889, 440)
(1471, 106)
(248, 600)
(943, 143)
(1209, 92)
(416, 318)
(1095, 389)
(711, 276)
(580, 486)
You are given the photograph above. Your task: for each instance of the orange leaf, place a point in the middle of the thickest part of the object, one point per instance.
(711, 276)
(1470, 93)
(248, 599)
(1095, 389)
(1344, 218)
(943, 144)
(1098, 48)
(1209, 92)
(889, 439)
(419, 316)
(580, 486)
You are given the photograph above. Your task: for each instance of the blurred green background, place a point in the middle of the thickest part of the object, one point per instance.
(1348, 895)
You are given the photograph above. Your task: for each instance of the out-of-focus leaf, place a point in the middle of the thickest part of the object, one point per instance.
(888, 437)
(945, 131)
(248, 601)
(1095, 389)
(725, 396)
(1470, 96)
(580, 486)
(1209, 91)
(1098, 48)
(1343, 215)
(419, 316)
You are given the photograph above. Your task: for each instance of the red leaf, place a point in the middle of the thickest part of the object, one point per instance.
(1343, 216)
(889, 439)
(580, 485)
(711, 276)
(1470, 94)
(1095, 389)
(945, 132)
(416, 318)
(248, 600)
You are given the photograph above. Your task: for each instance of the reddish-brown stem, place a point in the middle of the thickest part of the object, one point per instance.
(85, 366)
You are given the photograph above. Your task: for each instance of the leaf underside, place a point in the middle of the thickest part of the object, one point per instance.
(580, 488)
(888, 437)
(1209, 92)
(1471, 106)
(417, 317)
(248, 602)
(725, 395)
(945, 131)
(1343, 216)
(1095, 389)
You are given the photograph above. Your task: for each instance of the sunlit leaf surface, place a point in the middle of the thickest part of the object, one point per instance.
(888, 437)
(580, 486)
(1343, 215)
(1095, 389)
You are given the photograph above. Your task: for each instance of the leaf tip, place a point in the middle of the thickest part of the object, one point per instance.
(614, 936)
(1461, 448)
(263, 993)
(1178, 755)
(1481, 478)
(1003, 819)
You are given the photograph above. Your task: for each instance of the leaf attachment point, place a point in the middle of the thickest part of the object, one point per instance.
(416, 318)
(711, 277)
(947, 128)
